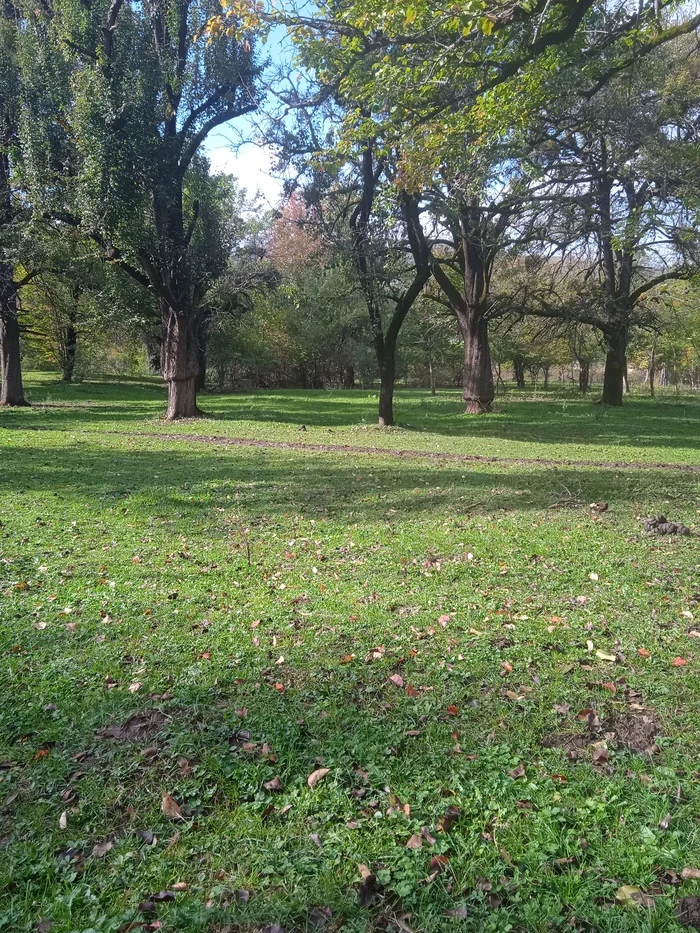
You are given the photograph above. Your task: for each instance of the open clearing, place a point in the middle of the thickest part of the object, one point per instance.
(500, 679)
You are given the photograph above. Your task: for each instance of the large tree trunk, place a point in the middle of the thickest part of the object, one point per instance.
(615, 365)
(11, 389)
(180, 364)
(477, 378)
(519, 371)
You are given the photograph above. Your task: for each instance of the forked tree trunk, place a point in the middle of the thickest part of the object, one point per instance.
(11, 389)
(180, 364)
(615, 365)
(478, 390)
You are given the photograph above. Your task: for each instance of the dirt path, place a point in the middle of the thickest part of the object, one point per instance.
(419, 454)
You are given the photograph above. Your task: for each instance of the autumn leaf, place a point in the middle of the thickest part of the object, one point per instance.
(643, 652)
(604, 655)
(100, 849)
(630, 896)
(135, 686)
(517, 772)
(316, 776)
(63, 820)
(443, 620)
(171, 809)
(609, 685)
(274, 785)
(449, 818)
(679, 662)
(397, 679)
(415, 842)
(453, 710)
(690, 874)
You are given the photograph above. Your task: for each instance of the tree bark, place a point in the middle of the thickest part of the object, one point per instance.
(71, 346)
(652, 368)
(478, 390)
(11, 389)
(386, 390)
(519, 371)
(584, 375)
(180, 363)
(615, 364)
(348, 377)
(431, 372)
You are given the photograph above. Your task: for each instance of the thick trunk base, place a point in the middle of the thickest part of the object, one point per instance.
(386, 405)
(11, 388)
(478, 390)
(182, 399)
(615, 368)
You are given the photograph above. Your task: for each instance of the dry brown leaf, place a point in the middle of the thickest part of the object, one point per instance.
(171, 809)
(316, 776)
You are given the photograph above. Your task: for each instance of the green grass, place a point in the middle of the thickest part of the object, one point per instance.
(162, 555)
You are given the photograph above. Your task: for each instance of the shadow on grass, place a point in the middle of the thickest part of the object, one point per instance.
(667, 422)
(271, 482)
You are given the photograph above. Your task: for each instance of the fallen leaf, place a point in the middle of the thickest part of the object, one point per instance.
(171, 809)
(517, 772)
(664, 823)
(63, 819)
(601, 755)
(316, 776)
(180, 886)
(415, 842)
(609, 685)
(604, 655)
(411, 691)
(274, 785)
(507, 666)
(135, 686)
(100, 849)
(630, 896)
(316, 839)
(561, 709)
(162, 897)
(449, 818)
(443, 620)
(397, 679)
(643, 652)
(679, 662)
(453, 710)
(690, 874)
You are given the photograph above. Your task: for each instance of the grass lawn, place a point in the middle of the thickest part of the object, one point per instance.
(501, 681)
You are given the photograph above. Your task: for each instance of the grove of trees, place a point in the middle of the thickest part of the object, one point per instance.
(474, 191)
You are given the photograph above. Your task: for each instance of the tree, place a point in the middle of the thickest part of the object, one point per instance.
(142, 99)
(614, 166)
(12, 213)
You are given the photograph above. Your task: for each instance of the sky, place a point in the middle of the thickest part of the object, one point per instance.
(250, 164)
